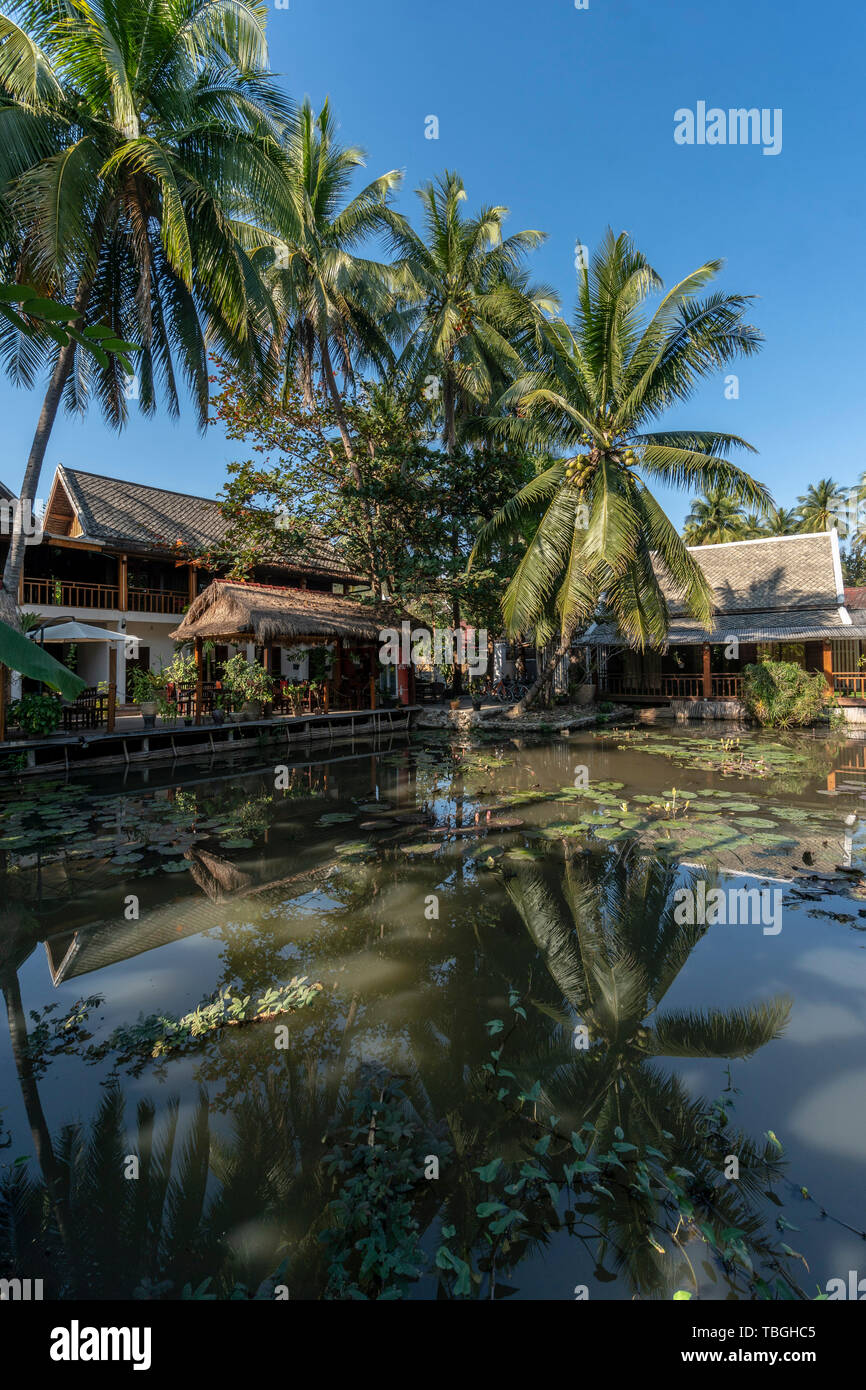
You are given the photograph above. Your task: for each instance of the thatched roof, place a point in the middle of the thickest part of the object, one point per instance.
(230, 611)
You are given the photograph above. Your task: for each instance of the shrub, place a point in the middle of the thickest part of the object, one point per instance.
(37, 714)
(781, 695)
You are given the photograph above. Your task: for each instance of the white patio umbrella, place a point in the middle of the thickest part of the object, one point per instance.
(72, 631)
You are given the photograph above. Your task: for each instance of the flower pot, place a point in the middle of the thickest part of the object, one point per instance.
(250, 710)
(585, 694)
(217, 716)
(476, 705)
(148, 709)
(454, 704)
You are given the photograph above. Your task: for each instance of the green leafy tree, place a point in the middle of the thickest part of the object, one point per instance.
(590, 523)
(141, 166)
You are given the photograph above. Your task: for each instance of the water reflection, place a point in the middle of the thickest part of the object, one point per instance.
(460, 957)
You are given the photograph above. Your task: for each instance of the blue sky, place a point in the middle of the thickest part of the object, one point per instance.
(567, 117)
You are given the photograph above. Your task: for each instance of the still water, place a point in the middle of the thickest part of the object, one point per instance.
(439, 1020)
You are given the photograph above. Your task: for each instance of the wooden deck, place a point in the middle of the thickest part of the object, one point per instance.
(64, 753)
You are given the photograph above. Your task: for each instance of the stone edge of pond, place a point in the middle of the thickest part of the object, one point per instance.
(568, 717)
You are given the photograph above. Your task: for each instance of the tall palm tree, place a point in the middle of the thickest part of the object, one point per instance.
(592, 526)
(714, 517)
(140, 166)
(819, 508)
(608, 935)
(476, 316)
(782, 521)
(335, 306)
(754, 526)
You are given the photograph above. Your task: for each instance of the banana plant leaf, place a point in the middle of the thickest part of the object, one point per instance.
(20, 654)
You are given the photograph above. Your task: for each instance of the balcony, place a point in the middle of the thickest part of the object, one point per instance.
(61, 593)
(156, 600)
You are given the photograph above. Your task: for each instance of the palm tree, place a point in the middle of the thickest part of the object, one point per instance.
(592, 526)
(335, 306)
(608, 935)
(476, 316)
(140, 163)
(714, 517)
(782, 521)
(819, 509)
(754, 526)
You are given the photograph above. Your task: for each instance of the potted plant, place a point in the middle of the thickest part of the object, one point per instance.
(476, 690)
(249, 682)
(37, 715)
(145, 691)
(218, 713)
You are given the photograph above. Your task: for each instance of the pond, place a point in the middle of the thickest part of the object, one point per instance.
(578, 1016)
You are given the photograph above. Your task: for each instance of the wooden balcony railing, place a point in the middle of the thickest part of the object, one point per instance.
(683, 687)
(727, 687)
(62, 593)
(57, 593)
(157, 600)
(849, 682)
(670, 687)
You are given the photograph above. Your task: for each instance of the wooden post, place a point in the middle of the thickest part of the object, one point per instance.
(327, 702)
(21, 586)
(372, 692)
(199, 693)
(338, 669)
(827, 663)
(123, 582)
(112, 686)
(192, 582)
(708, 679)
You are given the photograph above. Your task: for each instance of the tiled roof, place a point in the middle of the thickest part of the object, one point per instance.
(855, 598)
(112, 510)
(779, 589)
(6, 494)
(774, 626)
(781, 572)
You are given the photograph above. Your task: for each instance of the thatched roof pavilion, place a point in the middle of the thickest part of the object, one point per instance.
(266, 615)
(269, 615)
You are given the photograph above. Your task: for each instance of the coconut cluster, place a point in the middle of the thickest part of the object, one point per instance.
(578, 470)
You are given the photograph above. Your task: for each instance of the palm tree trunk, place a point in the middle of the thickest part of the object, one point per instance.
(450, 442)
(562, 649)
(45, 1155)
(48, 414)
(343, 426)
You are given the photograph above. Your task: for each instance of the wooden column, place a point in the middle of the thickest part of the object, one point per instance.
(338, 670)
(192, 582)
(827, 662)
(198, 678)
(112, 686)
(372, 692)
(123, 582)
(21, 585)
(708, 678)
